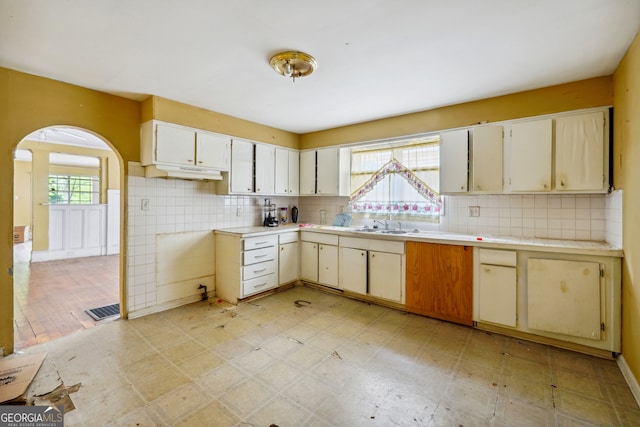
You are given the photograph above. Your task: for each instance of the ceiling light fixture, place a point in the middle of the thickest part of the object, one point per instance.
(293, 64)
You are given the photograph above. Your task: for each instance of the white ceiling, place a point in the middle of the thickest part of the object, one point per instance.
(377, 58)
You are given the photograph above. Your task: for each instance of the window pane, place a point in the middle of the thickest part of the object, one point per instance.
(385, 181)
(70, 189)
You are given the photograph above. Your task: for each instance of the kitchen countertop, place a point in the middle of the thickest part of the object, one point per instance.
(492, 242)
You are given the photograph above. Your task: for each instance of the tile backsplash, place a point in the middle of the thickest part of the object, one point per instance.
(595, 217)
(175, 206)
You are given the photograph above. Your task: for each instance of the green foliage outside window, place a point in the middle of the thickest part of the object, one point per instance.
(74, 190)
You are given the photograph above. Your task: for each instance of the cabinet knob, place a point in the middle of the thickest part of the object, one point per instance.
(248, 189)
(281, 249)
(462, 187)
(362, 253)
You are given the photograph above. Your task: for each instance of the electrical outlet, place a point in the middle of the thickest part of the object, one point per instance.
(144, 205)
(474, 211)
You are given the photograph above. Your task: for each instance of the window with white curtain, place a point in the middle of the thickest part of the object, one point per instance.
(399, 180)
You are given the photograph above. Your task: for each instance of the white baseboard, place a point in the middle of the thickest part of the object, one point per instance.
(630, 378)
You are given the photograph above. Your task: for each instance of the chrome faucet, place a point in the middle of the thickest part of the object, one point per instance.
(399, 225)
(383, 222)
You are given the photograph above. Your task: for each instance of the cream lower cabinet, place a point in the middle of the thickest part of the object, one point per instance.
(372, 267)
(571, 300)
(353, 270)
(319, 258)
(246, 266)
(496, 299)
(288, 258)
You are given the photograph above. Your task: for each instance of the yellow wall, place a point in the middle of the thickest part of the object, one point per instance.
(28, 103)
(22, 193)
(595, 92)
(166, 110)
(626, 152)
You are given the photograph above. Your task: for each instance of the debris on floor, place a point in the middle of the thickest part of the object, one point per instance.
(336, 355)
(301, 303)
(58, 397)
(16, 373)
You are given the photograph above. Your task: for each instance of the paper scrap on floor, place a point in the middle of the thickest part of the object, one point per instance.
(16, 373)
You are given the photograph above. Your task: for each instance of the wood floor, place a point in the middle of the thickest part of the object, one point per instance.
(50, 298)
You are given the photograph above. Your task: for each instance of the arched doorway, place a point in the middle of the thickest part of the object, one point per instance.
(67, 219)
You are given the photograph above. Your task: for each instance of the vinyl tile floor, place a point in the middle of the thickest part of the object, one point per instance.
(334, 362)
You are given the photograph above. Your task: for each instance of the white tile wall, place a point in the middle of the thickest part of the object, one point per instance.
(180, 205)
(177, 206)
(595, 217)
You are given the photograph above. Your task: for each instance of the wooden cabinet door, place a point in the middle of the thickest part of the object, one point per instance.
(241, 166)
(175, 145)
(454, 161)
(309, 261)
(580, 164)
(530, 166)
(328, 265)
(440, 281)
(353, 270)
(385, 275)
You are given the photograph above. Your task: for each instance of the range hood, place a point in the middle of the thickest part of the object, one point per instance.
(181, 172)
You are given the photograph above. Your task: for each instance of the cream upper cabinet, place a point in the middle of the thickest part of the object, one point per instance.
(307, 173)
(325, 171)
(454, 163)
(294, 173)
(264, 168)
(212, 150)
(580, 152)
(287, 172)
(487, 170)
(530, 162)
(241, 166)
(175, 145)
(171, 144)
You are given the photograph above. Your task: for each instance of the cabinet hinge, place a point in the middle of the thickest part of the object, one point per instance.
(602, 327)
(602, 272)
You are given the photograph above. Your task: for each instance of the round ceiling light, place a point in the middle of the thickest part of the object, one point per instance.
(293, 64)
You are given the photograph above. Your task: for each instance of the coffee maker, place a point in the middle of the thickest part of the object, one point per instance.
(270, 215)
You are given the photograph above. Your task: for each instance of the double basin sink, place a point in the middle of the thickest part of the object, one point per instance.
(380, 230)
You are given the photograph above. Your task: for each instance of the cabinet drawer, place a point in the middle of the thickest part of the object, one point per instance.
(291, 237)
(259, 255)
(259, 284)
(497, 257)
(328, 239)
(260, 242)
(260, 269)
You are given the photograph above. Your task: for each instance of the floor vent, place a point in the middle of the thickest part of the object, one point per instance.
(104, 312)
